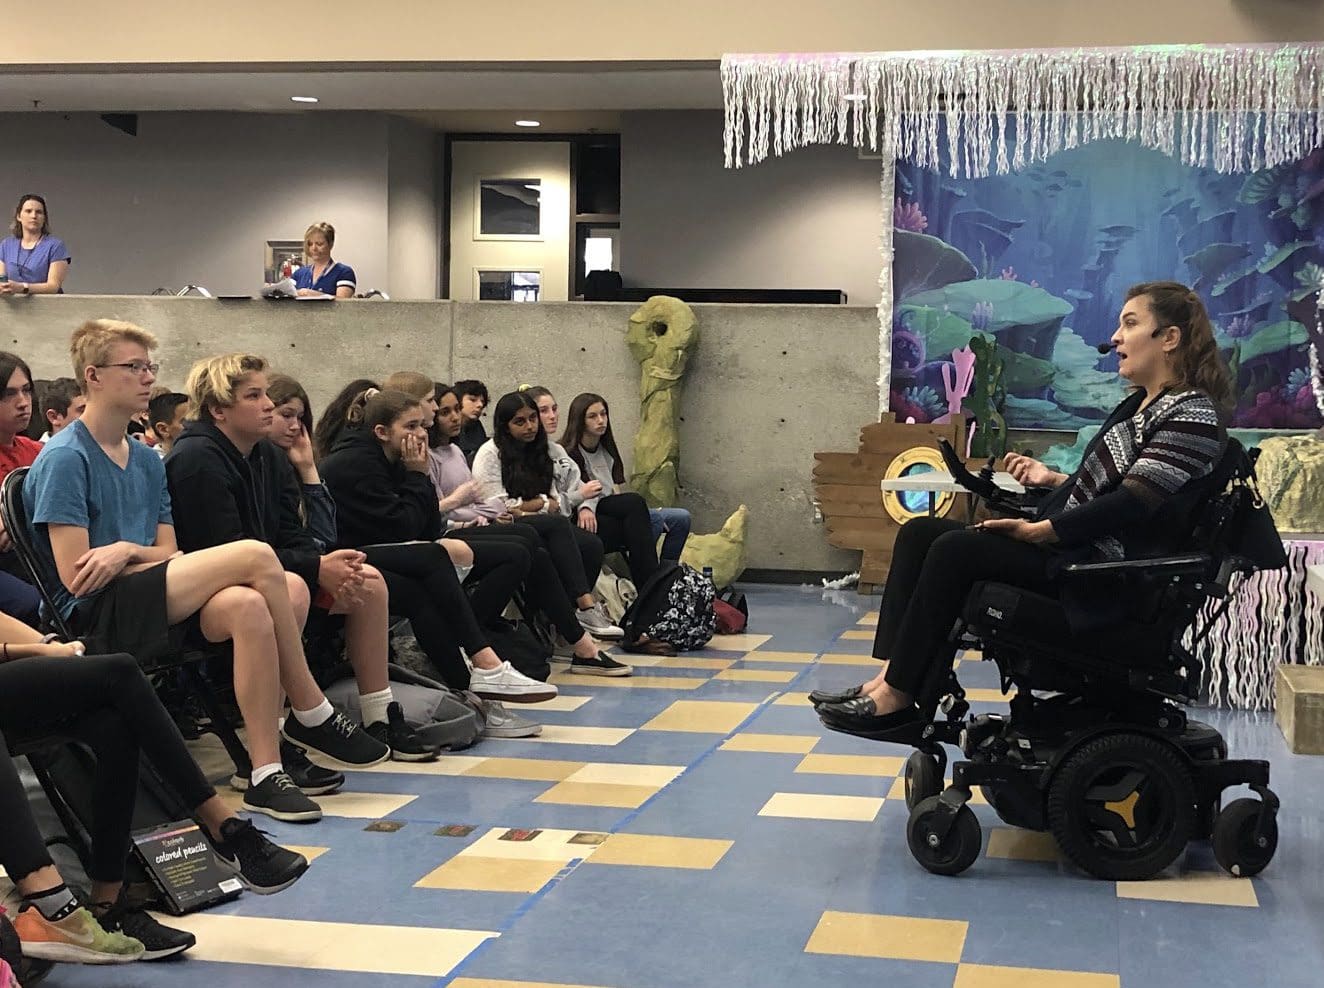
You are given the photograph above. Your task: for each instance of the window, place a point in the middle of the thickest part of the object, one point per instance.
(510, 208)
(508, 286)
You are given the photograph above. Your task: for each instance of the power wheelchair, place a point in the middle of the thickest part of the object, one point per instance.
(1097, 748)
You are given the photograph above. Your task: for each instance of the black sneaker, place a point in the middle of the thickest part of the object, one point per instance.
(278, 797)
(312, 779)
(159, 941)
(404, 742)
(601, 664)
(338, 740)
(263, 867)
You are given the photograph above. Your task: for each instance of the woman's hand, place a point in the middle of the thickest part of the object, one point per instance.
(1020, 529)
(1031, 472)
(467, 493)
(302, 459)
(588, 521)
(553, 506)
(55, 649)
(340, 574)
(592, 489)
(308, 293)
(414, 454)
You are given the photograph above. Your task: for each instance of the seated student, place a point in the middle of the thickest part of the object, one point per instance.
(619, 518)
(485, 525)
(62, 401)
(473, 402)
(32, 261)
(104, 532)
(227, 483)
(320, 275)
(515, 467)
(377, 473)
(107, 703)
(166, 414)
(17, 597)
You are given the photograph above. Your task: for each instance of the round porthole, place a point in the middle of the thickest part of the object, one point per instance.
(905, 505)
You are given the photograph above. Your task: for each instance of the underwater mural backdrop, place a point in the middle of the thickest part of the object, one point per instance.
(1036, 264)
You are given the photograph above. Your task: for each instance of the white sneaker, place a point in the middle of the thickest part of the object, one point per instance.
(596, 623)
(507, 683)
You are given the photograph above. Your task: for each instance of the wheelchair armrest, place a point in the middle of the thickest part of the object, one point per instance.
(1189, 562)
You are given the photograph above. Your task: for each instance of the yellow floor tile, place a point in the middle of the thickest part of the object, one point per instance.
(776, 744)
(756, 675)
(701, 716)
(447, 764)
(790, 658)
(898, 791)
(818, 806)
(489, 983)
(625, 774)
(690, 662)
(984, 976)
(311, 853)
(869, 620)
(661, 852)
(737, 643)
(526, 769)
(972, 655)
(857, 635)
(597, 794)
(545, 845)
(872, 766)
(845, 659)
(568, 734)
(792, 700)
(561, 703)
(364, 947)
(470, 873)
(636, 682)
(1022, 845)
(350, 805)
(902, 938)
(1201, 888)
(988, 696)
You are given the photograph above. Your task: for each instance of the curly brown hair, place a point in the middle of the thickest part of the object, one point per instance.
(1197, 362)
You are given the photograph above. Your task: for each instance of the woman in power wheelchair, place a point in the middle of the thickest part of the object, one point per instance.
(1083, 592)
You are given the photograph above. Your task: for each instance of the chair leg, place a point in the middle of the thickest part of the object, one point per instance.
(220, 725)
(73, 827)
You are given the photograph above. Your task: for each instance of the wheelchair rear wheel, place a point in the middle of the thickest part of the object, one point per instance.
(1122, 806)
(948, 855)
(923, 778)
(1241, 846)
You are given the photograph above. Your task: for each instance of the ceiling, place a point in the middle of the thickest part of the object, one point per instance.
(567, 99)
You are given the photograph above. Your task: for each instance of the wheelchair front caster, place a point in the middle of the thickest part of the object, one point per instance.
(923, 778)
(943, 855)
(1243, 843)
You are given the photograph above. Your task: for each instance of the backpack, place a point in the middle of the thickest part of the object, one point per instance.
(519, 644)
(617, 593)
(674, 606)
(732, 612)
(439, 714)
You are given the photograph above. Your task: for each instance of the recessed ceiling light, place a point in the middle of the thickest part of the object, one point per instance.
(303, 99)
(528, 123)
(855, 97)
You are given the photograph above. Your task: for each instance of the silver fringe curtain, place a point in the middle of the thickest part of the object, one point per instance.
(1230, 108)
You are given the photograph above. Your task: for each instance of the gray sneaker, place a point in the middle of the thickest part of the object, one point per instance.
(502, 723)
(596, 623)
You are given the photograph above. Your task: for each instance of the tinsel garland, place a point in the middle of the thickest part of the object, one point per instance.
(1230, 108)
(888, 188)
(1316, 372)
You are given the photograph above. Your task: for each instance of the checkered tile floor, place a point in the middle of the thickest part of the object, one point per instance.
(695, 826)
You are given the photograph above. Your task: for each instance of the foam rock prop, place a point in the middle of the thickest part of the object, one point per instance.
(662, 335)
(1291, 479)
(724, 551)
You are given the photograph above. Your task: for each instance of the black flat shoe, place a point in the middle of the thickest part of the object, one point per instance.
(856, 717)
(820, 697)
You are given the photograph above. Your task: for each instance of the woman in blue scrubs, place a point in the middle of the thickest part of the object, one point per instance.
(321, 275)
(31, 260)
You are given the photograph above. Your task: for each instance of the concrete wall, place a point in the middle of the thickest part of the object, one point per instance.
(811, 219)
(195, 196)
(768, 387)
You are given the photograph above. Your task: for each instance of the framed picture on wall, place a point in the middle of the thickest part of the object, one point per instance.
(283, 257)
(508, 209)
(507, 285)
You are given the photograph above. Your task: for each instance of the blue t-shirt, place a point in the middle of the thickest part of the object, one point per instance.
(74, 482)
(332, 278)
(33, 266)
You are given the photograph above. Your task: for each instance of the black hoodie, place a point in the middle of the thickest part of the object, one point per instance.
(377, 500)
(218, 495)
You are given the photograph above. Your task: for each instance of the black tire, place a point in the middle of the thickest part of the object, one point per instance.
(923, 778)
(952, 855)
(1237, 849)
(1123, 806)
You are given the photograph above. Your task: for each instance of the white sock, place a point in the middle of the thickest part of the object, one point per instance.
(263, 772)
(320, 714)
(373, 706)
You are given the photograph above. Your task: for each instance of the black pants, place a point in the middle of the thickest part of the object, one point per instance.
(106, 702)
(423, 587)
(624, 526)
(935, 562)
(543, 590)
(576, 554)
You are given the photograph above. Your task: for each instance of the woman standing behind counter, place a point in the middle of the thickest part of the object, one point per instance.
(32, 262)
